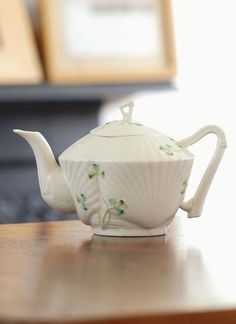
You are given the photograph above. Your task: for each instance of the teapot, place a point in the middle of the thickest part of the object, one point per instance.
(123, 178)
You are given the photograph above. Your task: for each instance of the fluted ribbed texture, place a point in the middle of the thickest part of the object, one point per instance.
(126, 149)
(152, 191)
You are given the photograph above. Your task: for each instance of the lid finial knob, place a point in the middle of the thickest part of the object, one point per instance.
(127, 110)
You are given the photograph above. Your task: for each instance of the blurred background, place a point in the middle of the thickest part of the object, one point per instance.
(200, 93)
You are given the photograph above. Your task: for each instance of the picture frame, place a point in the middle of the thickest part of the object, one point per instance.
(108, 41)
(19, 60)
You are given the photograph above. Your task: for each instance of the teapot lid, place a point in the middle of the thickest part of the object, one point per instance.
(125, 141)
(124, 127)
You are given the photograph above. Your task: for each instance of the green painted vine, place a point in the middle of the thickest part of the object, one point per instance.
(114, 206)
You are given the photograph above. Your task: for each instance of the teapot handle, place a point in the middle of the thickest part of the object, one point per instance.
(194, 205)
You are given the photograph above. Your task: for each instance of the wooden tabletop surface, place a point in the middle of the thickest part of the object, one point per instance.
(58, 272)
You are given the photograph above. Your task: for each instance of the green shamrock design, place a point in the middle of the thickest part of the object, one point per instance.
(96, 171)
(117, 206)
(113, 206)
(82, 198)
(168, 149)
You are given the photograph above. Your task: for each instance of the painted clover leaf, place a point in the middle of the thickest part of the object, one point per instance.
(118, 206)
(184, 187)
(168, 149)
(96, 171)
(112, 206)
(82, 198)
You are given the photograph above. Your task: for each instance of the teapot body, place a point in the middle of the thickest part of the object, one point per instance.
(124, 179)
(127, 199)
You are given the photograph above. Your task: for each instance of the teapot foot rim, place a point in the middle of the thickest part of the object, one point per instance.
(129, 232)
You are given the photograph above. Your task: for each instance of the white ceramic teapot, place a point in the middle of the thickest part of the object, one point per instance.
(124, 179)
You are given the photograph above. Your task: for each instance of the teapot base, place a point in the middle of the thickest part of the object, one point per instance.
(130, 232)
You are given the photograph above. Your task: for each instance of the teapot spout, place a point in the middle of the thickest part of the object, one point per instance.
(52, 183)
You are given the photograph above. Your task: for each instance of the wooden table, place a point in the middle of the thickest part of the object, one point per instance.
(59, 272)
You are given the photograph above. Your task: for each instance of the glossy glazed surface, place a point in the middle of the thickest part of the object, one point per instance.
(127, 199)
(122, 171)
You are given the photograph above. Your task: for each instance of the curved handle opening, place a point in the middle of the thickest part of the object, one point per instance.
(194, 205)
